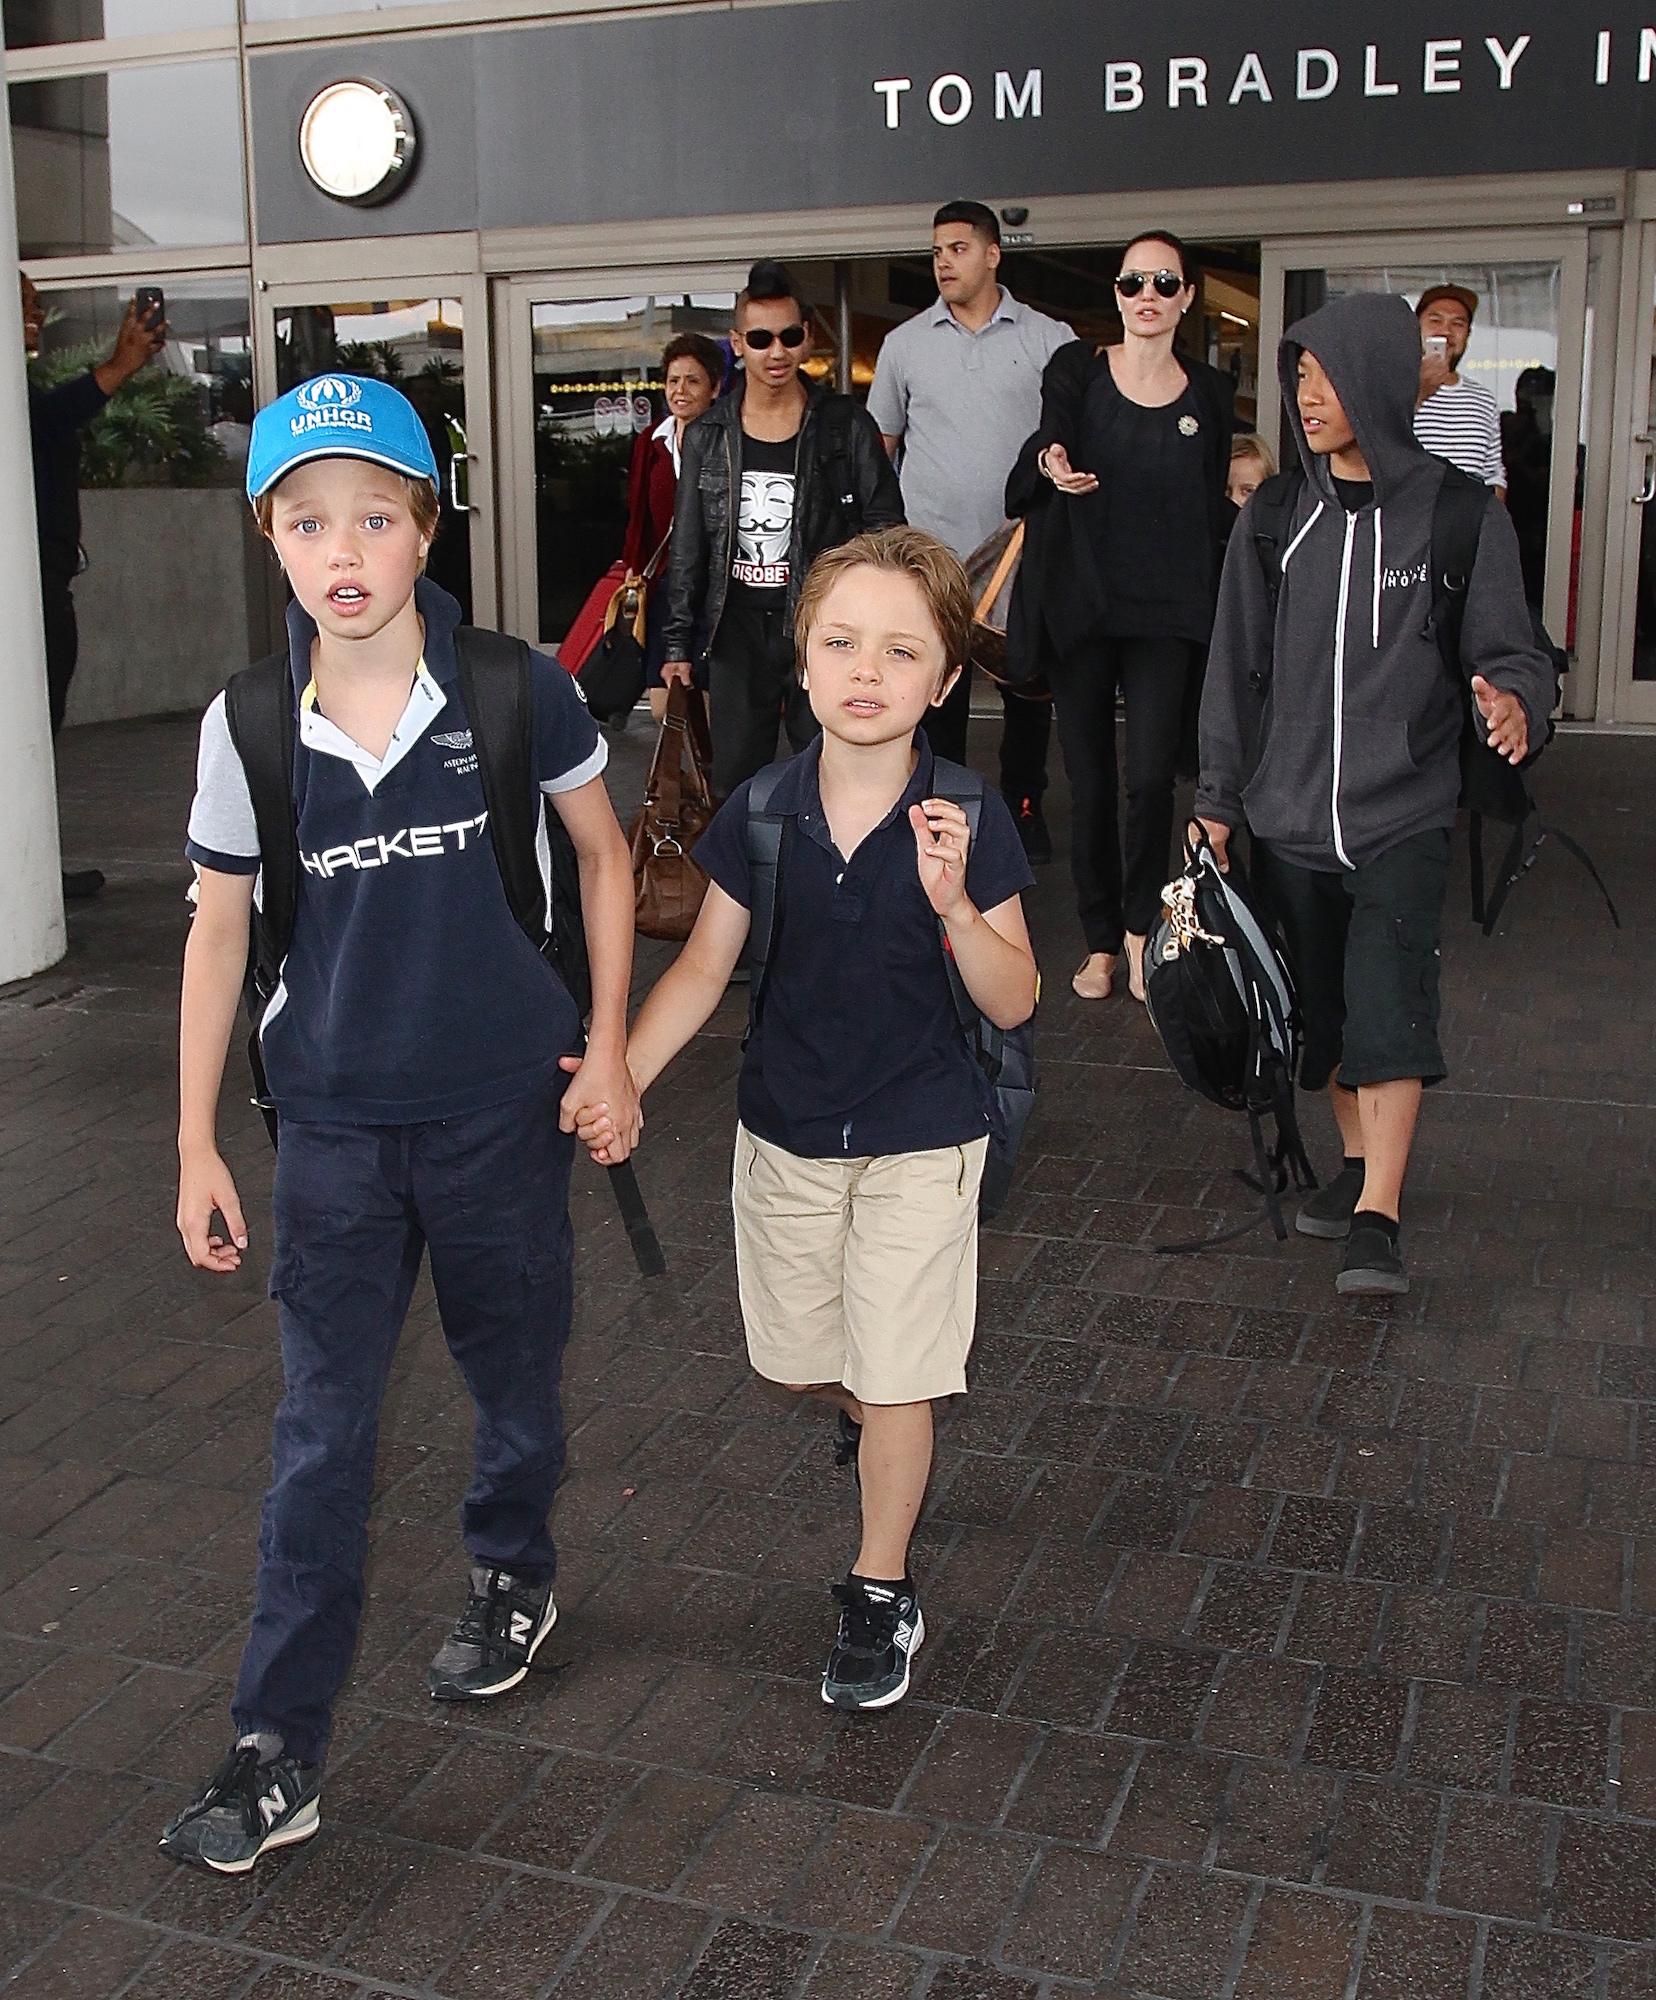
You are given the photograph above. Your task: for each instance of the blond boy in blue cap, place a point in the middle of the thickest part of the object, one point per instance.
(417, 1049)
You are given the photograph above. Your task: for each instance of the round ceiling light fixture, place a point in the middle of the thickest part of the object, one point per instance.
(357, 141)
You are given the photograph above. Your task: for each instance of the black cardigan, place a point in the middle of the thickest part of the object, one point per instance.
(1058, 597)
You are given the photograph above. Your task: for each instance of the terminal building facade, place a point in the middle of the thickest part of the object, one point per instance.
(509, 208)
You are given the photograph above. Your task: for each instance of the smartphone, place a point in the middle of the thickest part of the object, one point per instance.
(1437, 344)
(151, 303)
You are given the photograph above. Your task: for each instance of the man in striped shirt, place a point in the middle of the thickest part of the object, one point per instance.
(1455, 419)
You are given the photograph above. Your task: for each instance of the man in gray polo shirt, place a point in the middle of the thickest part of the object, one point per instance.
(958, 388)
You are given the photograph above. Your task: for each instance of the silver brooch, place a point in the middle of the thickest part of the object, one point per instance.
(1188, 427)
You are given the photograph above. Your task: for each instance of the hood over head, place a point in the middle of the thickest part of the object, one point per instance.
(1369, 347)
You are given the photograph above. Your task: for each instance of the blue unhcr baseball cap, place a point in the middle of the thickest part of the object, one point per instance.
(337, 416)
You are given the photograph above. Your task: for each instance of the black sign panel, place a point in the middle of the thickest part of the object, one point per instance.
(851, 102)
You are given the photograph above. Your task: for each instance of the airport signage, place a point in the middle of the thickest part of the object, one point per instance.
(837, 103)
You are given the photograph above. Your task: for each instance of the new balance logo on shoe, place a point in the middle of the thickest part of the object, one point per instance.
(272, 1806)
(522, 1624)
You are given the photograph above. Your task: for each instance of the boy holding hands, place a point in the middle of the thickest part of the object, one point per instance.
(415, 1048)
(863, 1113)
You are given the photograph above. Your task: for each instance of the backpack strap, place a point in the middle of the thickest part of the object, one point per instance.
(964, 788)
(1270, 515)
(496, 683)
(260, 712)
(1457, 523)
(766, 840)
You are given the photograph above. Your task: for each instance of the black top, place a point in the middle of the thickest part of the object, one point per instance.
(56, 419)
(1150, 521)
(857, 1049)
(1353, 494)
(764, 519)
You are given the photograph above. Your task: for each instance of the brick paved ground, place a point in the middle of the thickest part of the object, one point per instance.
(1281, 1650)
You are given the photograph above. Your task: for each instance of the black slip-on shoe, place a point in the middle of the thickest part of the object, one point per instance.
(1327, 1211)
(1373, 1266)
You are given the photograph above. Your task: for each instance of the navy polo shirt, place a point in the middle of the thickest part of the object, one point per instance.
(857, 1049)
(409, 991)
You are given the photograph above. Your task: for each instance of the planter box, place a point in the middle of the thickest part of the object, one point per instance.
(173, 602)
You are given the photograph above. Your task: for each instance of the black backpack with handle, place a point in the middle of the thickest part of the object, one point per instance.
(1220, 993)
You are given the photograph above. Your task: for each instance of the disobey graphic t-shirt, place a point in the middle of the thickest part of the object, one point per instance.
(764, 517)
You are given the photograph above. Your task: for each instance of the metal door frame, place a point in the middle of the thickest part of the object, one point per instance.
(1632, 481)
(1568, 248)
(512, 299)
(471, 292)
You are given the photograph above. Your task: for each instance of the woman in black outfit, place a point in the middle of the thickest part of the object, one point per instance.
(1123, 487)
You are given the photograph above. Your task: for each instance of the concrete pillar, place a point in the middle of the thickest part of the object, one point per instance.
(31, 884)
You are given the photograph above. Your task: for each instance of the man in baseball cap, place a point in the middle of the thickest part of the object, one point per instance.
(1455, 419)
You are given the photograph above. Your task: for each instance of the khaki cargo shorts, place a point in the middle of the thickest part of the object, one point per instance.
(859, 1271)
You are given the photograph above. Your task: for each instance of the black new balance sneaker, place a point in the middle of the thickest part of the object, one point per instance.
(1373, 1265)
(495, 1638)
(880, 1631)
(248, 1805)
(1327, 1211)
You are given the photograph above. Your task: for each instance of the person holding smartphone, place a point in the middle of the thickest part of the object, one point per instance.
(57, 416)
(1455, 419)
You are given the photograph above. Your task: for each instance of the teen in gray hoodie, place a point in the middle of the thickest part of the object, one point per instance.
(1333, 730)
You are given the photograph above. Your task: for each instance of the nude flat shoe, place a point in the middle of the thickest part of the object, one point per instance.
(1095, 978)
(1135, 964)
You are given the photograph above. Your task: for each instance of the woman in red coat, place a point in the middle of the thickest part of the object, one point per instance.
(692, 368)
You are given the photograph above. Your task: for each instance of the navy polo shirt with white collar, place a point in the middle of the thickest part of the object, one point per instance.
(857, 1049)
(409, 991)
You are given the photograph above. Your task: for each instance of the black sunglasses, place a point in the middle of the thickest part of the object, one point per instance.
(761, 337)
(1168, 284)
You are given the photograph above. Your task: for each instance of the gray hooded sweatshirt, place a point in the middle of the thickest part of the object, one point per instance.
(1358, 743)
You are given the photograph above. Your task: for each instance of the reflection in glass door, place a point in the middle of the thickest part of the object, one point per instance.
(1526, 348)
(419, 345)
(595, 378)
(1628, 676)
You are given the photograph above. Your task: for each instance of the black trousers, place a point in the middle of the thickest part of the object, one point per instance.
(57, 603)
(1366, 945)
(753, 691)
(1151, 675)
(1025, 737)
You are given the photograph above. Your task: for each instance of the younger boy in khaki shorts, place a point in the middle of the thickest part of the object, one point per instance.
(864, 1114)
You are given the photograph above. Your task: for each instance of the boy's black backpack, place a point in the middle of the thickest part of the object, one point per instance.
(495, 680)
(1220, 994)
(1491, 788)
(1005, 1055)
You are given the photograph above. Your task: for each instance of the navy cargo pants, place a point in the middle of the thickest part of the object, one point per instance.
(354, 1208)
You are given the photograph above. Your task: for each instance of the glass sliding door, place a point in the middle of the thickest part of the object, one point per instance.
(429, 340)
(579, 381)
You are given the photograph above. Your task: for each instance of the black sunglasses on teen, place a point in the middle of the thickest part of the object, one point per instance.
(1168, 284)
(761, 337)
